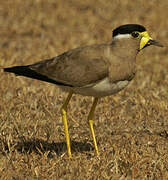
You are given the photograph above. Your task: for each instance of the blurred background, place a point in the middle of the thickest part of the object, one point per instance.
(46, 28)
(131, 127)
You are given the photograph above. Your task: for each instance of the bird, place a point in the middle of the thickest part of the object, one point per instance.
(96, 70)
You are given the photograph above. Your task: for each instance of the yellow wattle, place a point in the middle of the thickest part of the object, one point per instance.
(144, 40)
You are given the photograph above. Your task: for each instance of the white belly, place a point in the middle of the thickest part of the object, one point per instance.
(103, 88)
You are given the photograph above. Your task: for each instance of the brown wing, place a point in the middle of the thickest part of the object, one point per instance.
(78, 67)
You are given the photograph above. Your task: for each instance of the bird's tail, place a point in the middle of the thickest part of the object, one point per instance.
(20, 71)
(27, 72)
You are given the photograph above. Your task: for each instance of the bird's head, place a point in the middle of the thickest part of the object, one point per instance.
(136, 32)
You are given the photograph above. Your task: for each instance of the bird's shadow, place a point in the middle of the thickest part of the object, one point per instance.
(39, 146)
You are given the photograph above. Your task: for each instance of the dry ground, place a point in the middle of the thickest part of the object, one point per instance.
(131, 127)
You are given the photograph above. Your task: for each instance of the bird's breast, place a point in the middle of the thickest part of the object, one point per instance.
(102, 88)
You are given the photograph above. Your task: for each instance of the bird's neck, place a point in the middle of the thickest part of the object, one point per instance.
(125, 48)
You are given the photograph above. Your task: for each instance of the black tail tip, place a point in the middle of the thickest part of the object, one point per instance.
(10, 69)
(7, 69)
(18, 70)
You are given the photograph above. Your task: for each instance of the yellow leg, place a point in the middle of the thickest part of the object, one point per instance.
(64, 111)
(90, 120)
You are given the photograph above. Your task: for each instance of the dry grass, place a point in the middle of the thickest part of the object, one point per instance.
(131, 127)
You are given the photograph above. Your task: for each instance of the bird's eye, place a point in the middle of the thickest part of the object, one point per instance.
(135, 34)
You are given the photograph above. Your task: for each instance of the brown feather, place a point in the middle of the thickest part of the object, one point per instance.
(87, 65)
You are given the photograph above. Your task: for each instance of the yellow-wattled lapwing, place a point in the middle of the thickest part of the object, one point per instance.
(97, 70)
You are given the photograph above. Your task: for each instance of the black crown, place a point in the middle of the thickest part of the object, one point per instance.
(128, 29)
